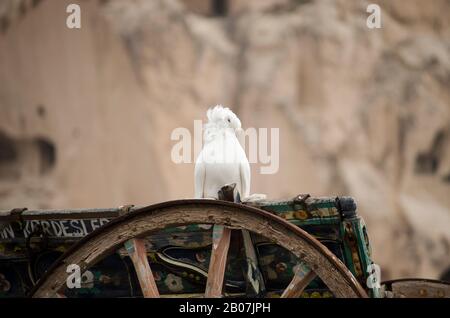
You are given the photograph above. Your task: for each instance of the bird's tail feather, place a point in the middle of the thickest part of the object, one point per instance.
(255, 197)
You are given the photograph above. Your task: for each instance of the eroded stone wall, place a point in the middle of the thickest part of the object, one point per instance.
(361, 112)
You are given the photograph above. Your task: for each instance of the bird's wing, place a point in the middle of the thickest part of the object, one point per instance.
(200, 176)
(245, 178)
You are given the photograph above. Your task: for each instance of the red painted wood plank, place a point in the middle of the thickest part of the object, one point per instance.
(217, 263)
(138, 254)
(301, 279)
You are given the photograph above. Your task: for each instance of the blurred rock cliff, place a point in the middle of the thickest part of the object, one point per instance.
(86, 115)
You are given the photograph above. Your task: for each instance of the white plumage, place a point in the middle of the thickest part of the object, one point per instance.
(222, 160)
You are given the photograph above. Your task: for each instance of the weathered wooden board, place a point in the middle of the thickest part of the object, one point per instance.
(217, 264)
(416, 288)
(301, 279)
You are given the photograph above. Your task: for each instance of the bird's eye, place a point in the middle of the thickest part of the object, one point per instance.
(229, 120)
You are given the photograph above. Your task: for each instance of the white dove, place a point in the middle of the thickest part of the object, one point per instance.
(222, 160)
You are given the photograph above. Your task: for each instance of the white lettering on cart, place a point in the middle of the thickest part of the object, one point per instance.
(7, 232)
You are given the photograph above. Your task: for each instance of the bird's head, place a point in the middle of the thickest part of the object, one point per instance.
(223, 117)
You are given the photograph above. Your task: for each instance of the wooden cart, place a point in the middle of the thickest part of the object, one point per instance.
(304, 247)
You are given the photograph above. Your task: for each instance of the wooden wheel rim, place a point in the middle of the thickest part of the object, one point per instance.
(142, 222)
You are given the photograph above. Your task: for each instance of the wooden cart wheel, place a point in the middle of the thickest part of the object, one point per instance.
(127, 229)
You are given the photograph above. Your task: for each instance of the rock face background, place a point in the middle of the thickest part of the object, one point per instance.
(86, 115)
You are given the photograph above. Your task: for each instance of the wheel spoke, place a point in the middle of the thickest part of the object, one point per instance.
(138, 254)
(301, 279)
(217, 263)
(254, 277)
